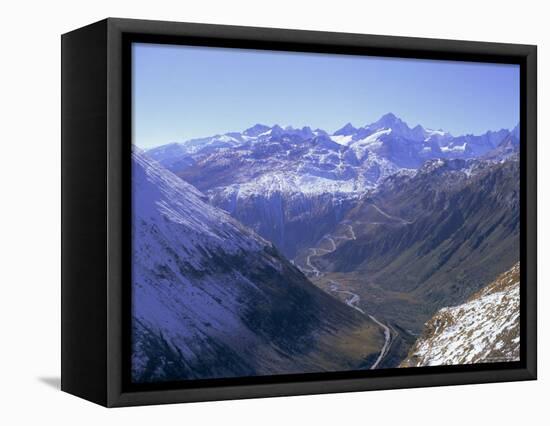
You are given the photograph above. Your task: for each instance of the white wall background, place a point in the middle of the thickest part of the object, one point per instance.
(30, 210)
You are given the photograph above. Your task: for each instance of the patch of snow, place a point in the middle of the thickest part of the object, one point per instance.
(373, 141)
(342, 139)
(455, 148)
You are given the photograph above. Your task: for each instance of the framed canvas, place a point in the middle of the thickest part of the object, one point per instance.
(254, 212)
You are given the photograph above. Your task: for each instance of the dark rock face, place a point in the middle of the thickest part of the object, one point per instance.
(289, 222)
(509, 147)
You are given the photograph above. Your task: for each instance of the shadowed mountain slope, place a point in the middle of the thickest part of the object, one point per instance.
(210, 298)
(446, 231)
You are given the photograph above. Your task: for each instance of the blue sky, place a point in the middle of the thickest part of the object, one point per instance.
(184, 92)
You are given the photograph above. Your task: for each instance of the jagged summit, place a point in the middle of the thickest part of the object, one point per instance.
(388, 120)
(348, 129)
(256, 130)
(398, 127)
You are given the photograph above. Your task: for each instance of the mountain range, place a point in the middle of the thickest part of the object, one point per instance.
(389, 136)
(294, 185)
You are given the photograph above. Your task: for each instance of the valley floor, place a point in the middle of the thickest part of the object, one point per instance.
(396, 341)
(402, 318)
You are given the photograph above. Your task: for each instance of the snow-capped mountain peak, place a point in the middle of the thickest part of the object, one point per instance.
(398, 127)
(388, 121)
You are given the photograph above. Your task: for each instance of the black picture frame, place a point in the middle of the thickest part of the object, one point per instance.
(96, 138)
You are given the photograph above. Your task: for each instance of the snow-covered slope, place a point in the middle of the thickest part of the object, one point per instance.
(484, 329)
(210, 298)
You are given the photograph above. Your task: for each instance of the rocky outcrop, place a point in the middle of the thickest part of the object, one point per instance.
(484, 329)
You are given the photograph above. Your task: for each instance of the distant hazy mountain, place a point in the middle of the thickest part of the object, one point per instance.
(484, 329)
(211, 298)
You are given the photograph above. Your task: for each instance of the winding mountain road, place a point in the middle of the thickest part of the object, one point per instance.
(353, 302)
(383, 213)
(313, 252)
(353, 299)
(352, 232)
(387, 342)
(312, 268)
